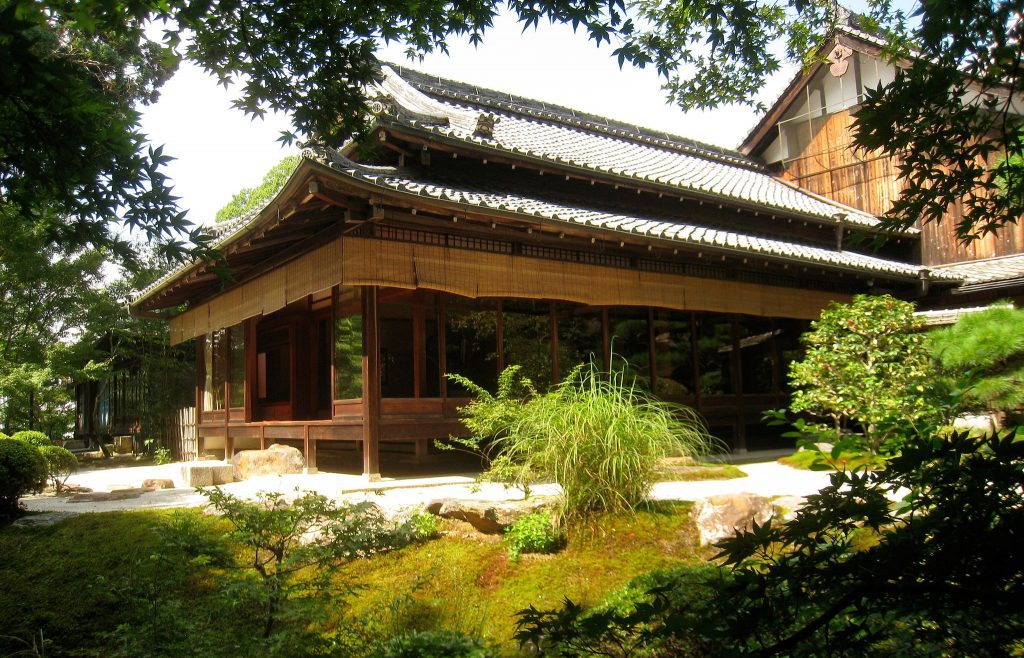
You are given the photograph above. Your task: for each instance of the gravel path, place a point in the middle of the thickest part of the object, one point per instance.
(766, 479)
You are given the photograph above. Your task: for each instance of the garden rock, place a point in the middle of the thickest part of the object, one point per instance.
(275, 460)
(102, 496)
(486, 517)
(785, 508)
(157, 483)
(719, 517)
(207, 474)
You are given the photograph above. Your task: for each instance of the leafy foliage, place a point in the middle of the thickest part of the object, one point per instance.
(984, 352)
(946, 118)
(434, 644)
(85, 66)
(249, 199)
(31, 437)
(60, 464)
(22, 471)
(596, 434)
(866, 365)
(291, 549)
(853, 574)
(533, 533)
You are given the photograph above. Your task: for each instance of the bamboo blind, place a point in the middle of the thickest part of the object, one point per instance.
(362, 261)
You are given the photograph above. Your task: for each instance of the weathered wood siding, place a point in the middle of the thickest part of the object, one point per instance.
(832, 167)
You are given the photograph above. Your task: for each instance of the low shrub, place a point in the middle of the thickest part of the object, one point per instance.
(434, 644)
(533, 533)
(424, 525)
(32, 437)
(60, 464)
(162, 455)
(597, 434)
(22, 471)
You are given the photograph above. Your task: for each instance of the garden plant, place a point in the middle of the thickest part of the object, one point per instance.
(597, 434)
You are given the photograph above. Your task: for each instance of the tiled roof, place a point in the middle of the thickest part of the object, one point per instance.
(947, 316)
(992, 270)
(482, 193)
(554, 135)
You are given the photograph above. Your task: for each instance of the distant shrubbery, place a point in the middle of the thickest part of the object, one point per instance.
(38, 439)
(60, 464)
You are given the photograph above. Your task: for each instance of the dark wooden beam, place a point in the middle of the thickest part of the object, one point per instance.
(371, 384)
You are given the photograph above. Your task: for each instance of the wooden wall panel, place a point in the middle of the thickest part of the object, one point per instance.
(831, 167)
(476, 274)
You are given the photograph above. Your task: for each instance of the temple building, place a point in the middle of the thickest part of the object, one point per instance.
(474, 230)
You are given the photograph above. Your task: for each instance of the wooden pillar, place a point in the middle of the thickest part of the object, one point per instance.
(442, 345)
(695, 358)
(606, 340)
(371, 384)
(308, 449)
(200, 384)
(556, 373)
(250, 369)
(652, 354)
(737, 388)
(499, 338)
(419, 346)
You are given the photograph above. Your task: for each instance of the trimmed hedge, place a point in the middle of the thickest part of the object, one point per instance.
(22, 471)
(60, 464)
(32, 437)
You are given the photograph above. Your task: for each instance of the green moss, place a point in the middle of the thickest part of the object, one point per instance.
(71, 581)
(687, 470)
(812, 460)
(462, 584)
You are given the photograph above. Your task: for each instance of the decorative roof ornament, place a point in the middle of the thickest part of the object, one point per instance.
(485, 125)
(840, 60)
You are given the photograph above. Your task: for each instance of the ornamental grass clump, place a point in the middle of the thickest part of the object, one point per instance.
(597, 434)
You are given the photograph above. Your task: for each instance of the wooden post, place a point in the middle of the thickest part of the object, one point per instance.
(225, 365)
(499, 338)
(556, 374)
(695, 358)
(606, 340)
(419, 346)
(200, 383)
(371, 384)
(737, 388)
(308, 449)
(250, 369)
(442, 345)
(652, 355)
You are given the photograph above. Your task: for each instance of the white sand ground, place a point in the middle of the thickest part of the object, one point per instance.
(766, 479)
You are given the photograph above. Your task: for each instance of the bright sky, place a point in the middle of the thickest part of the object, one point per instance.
(219, 150)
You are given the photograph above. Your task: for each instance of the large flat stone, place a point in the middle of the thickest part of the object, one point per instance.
(207, 474)
(275, 460)
(720, 517)
(485, 517)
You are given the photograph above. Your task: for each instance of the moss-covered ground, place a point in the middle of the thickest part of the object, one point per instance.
(82, 579)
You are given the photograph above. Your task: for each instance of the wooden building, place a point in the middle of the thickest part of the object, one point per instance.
(476, 230)
(806, 138)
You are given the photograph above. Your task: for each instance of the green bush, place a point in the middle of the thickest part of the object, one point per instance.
(60, 464)
(424, 525)
(22, 471)
(533, 533)
(984, 352)
(434, 644)
(597, 434)
(38, 439)
(867, 371)
(3, 436)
